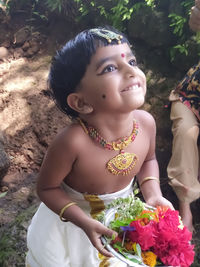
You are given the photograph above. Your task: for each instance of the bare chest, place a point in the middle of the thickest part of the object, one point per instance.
(101, 170)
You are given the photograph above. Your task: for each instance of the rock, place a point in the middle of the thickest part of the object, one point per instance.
(26, 46)
(18, 52)
(21, 36)
(3, 52)
(6, 43)
(2, 14)
(35, 47)
(4, 18)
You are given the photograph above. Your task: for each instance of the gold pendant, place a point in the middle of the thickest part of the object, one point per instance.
(122, 163)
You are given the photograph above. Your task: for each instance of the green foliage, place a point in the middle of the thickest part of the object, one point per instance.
(178, 23)
(12, 239)
(181, 48)
(14, 5)
(198, 37)
(35, 13)
(115, 13)
(26, 6)
(6, 250)
(53, 5)
(150, 3)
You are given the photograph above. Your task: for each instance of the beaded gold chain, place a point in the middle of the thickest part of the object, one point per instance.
(122, 163)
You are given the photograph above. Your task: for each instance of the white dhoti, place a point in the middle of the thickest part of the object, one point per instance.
(53, 243)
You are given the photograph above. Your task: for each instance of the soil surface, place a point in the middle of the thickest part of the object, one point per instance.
(29, 120)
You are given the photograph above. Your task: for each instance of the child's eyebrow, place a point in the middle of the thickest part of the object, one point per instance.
(103, 60)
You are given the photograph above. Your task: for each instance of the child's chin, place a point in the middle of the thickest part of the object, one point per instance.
(139, 103)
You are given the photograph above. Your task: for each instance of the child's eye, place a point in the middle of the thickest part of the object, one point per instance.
(109, 68)
(133, 62)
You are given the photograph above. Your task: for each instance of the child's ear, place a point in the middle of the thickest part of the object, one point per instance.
(76, 102)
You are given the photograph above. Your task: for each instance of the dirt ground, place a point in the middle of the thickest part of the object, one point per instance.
(29, 121)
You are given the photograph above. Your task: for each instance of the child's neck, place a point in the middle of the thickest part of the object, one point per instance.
(111, 127)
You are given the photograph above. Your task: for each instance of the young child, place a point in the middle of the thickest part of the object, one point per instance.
(96, 81)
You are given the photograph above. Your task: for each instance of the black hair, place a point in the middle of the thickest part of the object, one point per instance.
(69, 65)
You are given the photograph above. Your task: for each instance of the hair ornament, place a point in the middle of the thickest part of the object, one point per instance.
(107, 34)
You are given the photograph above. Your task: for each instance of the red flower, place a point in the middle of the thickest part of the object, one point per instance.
(159, 232)
(172, 244)
(169, 219)
(144, 235)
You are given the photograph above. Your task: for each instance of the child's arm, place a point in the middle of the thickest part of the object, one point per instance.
(57, 164)
(148, 177)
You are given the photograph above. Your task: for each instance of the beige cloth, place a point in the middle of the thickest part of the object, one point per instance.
(53, 243)
(184, 163)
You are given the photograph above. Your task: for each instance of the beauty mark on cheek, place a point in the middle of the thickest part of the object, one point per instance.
(103, 96)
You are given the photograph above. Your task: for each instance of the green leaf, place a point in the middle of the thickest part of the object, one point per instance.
(198, 37)
(116, 224)
(113, 236)
(118, 247)
(138, 250)
(133, 258)
(92, 3)
(3, 194)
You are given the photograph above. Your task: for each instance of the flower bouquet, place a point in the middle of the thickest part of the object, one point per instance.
(147, 236)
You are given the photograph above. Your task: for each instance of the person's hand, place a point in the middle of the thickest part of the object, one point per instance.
(159, 201)
(94, 231)
(194, 21)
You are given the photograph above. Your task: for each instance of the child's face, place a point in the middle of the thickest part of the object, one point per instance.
(112, 81)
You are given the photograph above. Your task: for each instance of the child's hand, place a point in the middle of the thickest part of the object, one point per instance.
(94, 231)
(159, 201)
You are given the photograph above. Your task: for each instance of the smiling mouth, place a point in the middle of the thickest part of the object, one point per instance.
(133, 88)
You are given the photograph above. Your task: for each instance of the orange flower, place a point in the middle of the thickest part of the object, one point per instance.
(149, 258)
(151, 215)
(162, 209)
(129, 245)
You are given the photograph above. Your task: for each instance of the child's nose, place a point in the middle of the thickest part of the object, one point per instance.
(130, 71)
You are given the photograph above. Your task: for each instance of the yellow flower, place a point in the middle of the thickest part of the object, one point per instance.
(134, 247)
(149, 258)
(181, 226)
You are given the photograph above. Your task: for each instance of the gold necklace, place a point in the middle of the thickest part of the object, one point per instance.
(122, 163)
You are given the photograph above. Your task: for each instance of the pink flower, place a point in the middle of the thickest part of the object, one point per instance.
(172, 244)
(159, 232)
(144, 235)
(169, 219)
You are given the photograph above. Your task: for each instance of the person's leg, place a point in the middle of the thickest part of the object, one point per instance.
(199, 166)
(183, 166)
(186, 215)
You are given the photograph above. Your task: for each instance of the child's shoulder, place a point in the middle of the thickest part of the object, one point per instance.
(70, 136)
(144, 117)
